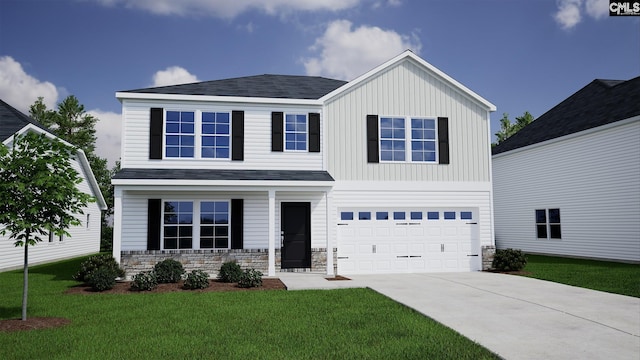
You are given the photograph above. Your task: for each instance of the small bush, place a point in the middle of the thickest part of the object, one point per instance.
(509, 260)
(144, 281)
(230, 272)
(250, 278)
(102, 278)
(95, 262)
(197, 279)
(168, 271)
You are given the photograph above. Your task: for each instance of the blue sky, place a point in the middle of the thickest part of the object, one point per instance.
(522, 55)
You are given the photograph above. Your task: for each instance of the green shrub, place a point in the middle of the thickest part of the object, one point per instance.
(95, 262)
(168, 271)
(250, 278)
(144, 281)
(102, 278)
(230, 272)
(196, 279)
(509, 260)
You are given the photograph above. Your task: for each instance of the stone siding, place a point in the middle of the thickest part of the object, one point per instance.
(210, 260)
(487, 257)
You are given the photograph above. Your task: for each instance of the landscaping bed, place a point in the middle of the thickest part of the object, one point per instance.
(124, 287)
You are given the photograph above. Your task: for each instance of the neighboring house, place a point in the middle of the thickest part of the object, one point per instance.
(569, 183)
(84, 239)
(387, 173)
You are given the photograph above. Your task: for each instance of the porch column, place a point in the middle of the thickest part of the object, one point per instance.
(117, 222)
(272, 233)
(329, 228)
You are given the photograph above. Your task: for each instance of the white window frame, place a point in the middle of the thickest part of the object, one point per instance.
(407, 139)
(197, 133)
(195, 224)
(306, 131)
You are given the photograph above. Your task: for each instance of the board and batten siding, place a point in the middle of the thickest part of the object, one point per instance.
(256, 215)
(84, 239)
(390, 197)
(593, 177)
(407, 90)
(257, 137)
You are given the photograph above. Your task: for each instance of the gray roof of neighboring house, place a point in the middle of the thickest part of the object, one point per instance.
(212, 174)
(599, 103)
(264, 86)
(12, 120)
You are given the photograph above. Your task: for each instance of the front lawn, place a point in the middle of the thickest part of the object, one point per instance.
(606, 276)
(335, 324)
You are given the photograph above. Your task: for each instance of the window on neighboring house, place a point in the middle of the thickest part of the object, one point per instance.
(548, 224)
(215, 135)
(214, 225)
(51, 236)
(295, 132)
(88, 218)
(394, 138)
(178, 225)
(180, 134)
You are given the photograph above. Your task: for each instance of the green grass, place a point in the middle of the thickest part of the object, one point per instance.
(613, 277)
(336, 324)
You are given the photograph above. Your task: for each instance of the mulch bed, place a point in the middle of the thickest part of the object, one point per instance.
(124, 287)
(337, 277)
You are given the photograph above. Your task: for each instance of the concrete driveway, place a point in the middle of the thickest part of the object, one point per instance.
(521, 318)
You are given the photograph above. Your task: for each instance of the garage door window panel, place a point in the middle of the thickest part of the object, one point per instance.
(346, 215)
(364, 215)
(382, 215)
(433, 215)
(449, 215)
(416, 215)
(399, 215)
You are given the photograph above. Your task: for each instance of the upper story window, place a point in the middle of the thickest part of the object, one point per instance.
(180, 134)
(215, 135)
(296, 132)
(394, 139)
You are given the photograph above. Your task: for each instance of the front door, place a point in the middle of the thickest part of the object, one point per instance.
(296, 235)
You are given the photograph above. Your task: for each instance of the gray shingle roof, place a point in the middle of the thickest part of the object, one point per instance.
(211, 174)
(599, 103)
(12, 120)
(265, 86)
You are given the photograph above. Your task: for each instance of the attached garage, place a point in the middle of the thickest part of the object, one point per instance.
(388, 240)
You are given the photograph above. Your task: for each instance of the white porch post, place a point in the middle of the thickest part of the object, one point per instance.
(117, 222)
(272, 233)
(329, 222)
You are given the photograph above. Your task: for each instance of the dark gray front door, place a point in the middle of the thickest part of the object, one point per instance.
(296, 235)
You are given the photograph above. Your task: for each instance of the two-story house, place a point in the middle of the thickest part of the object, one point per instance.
(387, 173)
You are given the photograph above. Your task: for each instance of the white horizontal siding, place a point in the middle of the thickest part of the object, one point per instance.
(257, 138)
(396, 197)
(83, 240)
(593, 178)
(407, 90)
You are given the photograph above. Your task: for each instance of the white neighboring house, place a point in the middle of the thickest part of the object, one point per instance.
(388, 173)
(84, 239)
(568, 184)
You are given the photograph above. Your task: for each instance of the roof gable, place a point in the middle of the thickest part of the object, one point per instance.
(599, 103)
(260, 86)
(12, 121)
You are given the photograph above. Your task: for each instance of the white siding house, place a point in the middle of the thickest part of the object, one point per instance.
(569, 183)
(389, 172)
(84, 239)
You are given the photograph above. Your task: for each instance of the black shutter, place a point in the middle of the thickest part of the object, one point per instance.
(443, 140)
(314, 132)
(237, 223)
(372, 139)
(155, 133)
(277, 137)
(237, 135)
(154, 217)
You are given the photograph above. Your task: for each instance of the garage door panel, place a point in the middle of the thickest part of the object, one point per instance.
(400, 231)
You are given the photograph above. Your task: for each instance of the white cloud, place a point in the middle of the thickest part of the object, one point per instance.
(108, 135)
(230, 8)
(173, 75)
(21, 90)
(345, 53)
(570, 12)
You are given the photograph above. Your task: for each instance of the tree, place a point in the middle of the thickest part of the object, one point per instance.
(71, 123)
(507, 129)
(38, 193)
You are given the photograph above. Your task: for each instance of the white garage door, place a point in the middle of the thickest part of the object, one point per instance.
(372, 241)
